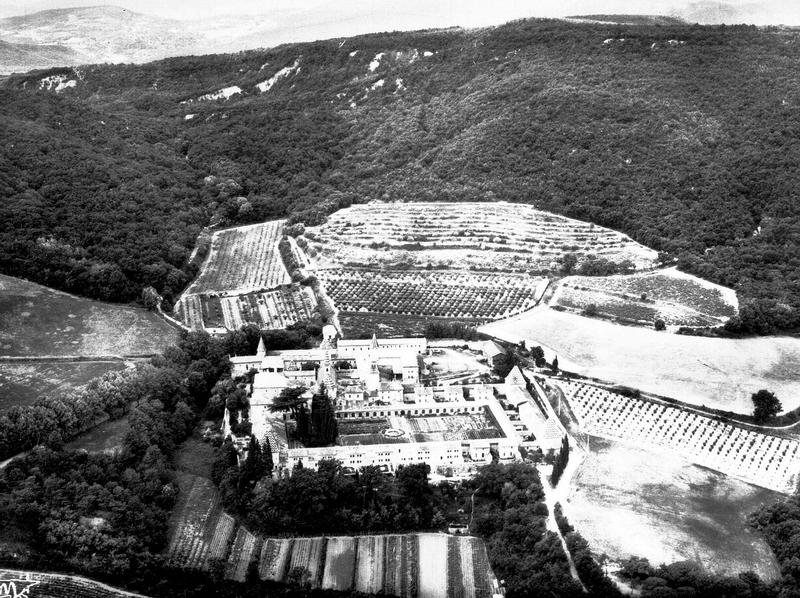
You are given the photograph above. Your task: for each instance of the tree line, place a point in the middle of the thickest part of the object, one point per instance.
(327, 499)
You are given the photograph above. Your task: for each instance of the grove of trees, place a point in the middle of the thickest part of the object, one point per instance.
(765, 405)
(327, 499)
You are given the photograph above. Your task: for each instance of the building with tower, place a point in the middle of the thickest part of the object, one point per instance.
(391, 410)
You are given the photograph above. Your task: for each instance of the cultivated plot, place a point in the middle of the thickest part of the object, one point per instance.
(198, 529)
(244, 281)
(242, 260)
(435, 565)
(676, 298)
(757, 458)
(243, 552)
(716, 372)
(462, 295)
(268, 310)
(105, 438)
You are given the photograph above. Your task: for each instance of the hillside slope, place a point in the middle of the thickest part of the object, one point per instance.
(22, 57)
(683, 137)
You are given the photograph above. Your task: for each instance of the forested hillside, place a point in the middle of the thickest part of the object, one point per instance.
(684, 137)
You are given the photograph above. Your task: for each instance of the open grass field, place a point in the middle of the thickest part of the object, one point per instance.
(676, 298)
(627, 501)
(718, 373)
(476, 236)
(196, 456)
(23, 383)
(36, 320)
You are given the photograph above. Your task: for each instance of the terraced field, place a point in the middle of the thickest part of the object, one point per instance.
(491, 236)
(676, 298)
(437, 294)
(760, 459)
(470, 262)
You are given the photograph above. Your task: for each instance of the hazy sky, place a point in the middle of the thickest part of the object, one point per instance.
(433, 12)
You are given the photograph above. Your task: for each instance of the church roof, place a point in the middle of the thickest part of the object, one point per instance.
(515, 377)
(491, 349)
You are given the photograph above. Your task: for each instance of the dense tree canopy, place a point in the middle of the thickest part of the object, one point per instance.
(692, 148)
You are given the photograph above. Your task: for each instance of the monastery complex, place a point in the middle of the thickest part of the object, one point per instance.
(393, 408)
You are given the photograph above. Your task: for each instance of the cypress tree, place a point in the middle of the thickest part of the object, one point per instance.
(266, 453)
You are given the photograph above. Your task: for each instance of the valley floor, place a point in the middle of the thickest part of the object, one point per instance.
(51, 342)
(629, 501)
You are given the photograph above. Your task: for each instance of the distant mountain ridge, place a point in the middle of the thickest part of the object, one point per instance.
(70, 36)
(627, 19)
(22, 57)
(113, 34)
